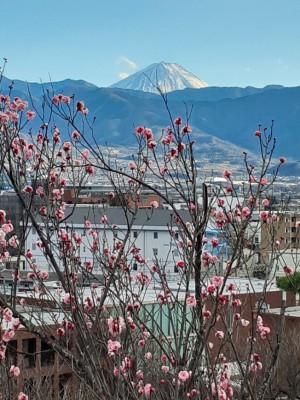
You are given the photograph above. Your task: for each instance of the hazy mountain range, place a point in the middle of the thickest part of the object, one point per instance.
(229, 114)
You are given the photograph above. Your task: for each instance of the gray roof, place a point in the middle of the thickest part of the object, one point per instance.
(116, 215)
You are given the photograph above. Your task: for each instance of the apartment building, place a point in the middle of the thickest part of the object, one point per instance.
(286, 235)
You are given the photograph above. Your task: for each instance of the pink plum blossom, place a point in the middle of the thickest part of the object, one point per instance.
(191, 301)
(8, 335)
(263, 181)
(30, 115)
(154, 204)
(113, 347)
(14, 371)
(183, 375)
(244, 322)
(265, 202)
(217, 280)
(115, 325)
(148, 389)
(22, 396)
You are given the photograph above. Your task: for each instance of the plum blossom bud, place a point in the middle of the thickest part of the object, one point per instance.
(22, 302)
(177, 121)
(28, 189)
(186, 129)
(214, 242)
(288, 270)
(164, 358)
(219, 335)
(227, 174)
(60, 331)
(104, 219)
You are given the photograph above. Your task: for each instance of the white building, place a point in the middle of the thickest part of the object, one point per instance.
(150, 231)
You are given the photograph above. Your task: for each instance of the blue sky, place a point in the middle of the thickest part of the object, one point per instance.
(223, 42)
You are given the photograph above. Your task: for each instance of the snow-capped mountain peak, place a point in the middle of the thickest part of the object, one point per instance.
(167, 76)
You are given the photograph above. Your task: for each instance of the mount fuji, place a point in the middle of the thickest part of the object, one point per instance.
(167, 76)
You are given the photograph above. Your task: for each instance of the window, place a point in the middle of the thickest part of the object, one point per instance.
(135, 234)
(256, 239)
(33, 231)
(135, 266)
(155, 252)
(33, 247)
(155, 235)
(65, 383)
(11, 352)
(29, 349)
(176, 235)
(47, 354)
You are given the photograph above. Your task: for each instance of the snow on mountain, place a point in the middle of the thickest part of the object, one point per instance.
(167, 76)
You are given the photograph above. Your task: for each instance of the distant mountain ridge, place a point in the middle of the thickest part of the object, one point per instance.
(167, 76)
(230, 114)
